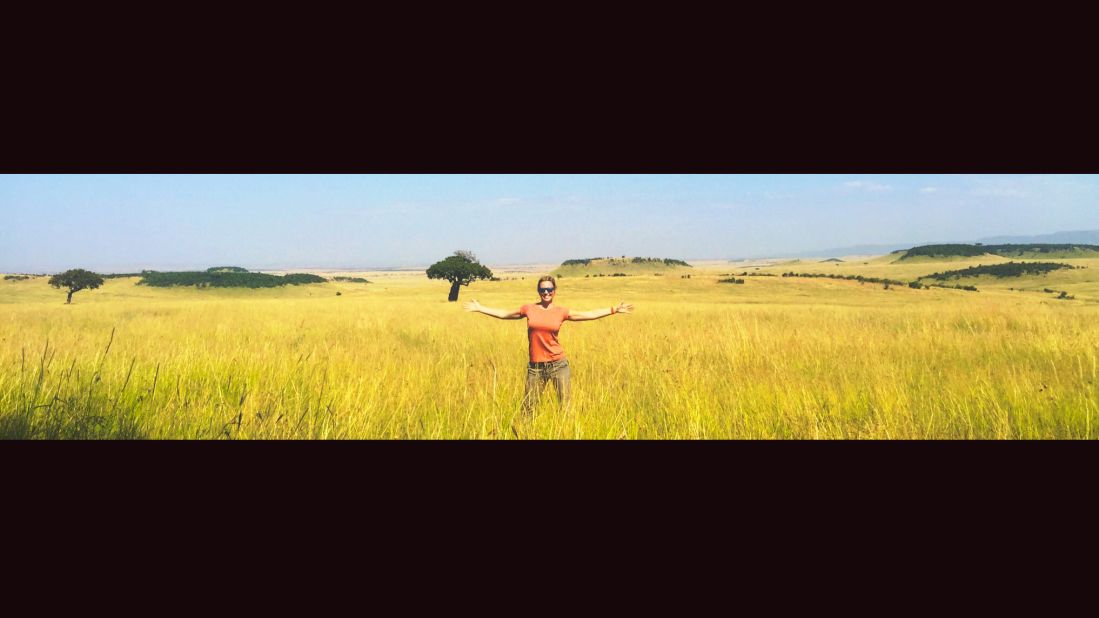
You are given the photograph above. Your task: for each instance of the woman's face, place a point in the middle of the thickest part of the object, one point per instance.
(546, 291)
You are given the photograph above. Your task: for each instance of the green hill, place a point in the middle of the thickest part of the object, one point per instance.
(1025, 251)
(621, 265)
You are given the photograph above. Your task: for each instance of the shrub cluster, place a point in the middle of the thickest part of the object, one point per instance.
(732, 280)
(225, 279)
(16, 277)
(1062, 295)
(1011, 269)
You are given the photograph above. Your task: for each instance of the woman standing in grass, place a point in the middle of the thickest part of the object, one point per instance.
(547, 357)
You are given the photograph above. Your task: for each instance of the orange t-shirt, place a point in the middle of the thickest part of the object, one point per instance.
(542, 328)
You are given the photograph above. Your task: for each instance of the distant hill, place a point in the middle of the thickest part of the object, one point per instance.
(1089, 237)
(624, 265)
(843, 251)
(1026, 250)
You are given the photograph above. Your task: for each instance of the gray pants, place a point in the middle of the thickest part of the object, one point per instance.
(538, 375)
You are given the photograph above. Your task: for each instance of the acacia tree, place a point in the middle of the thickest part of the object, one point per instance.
(76, 279)
(460, 269)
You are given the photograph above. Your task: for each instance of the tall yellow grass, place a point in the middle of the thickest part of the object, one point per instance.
(773, 358)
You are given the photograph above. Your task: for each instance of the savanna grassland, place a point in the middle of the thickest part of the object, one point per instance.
(774, 357)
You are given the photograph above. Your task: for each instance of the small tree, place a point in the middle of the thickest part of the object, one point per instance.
(76, 279)
(460, 269)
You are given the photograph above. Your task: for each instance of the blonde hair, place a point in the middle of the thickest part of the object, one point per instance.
(546, 278)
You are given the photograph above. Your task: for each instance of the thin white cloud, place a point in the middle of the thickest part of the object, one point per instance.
(929, 190)
(867, 185)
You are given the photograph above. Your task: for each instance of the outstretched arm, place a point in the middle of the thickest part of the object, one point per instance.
(595, 314)
(475, 307)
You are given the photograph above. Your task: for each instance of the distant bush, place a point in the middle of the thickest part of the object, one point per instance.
(619, 275)
(16, 277)
(733, 280)
(227, 269)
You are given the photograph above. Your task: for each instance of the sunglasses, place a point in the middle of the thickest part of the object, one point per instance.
(546, 290)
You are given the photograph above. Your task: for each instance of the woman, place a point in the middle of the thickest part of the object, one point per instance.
(547, 357)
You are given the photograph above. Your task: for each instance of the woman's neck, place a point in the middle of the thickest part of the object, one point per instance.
(546, 305)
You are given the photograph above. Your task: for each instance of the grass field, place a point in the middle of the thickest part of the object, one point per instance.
(772, 358)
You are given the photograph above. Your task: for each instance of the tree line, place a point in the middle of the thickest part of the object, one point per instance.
(351, 279)
(225, 279)
(916, 285)
(859, 278)
(636, 260)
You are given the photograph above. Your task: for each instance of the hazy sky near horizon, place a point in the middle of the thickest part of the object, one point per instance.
(118, 223)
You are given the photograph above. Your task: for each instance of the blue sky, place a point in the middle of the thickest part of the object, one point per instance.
(128, 222)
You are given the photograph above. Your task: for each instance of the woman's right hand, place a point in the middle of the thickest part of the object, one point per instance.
(473, 306)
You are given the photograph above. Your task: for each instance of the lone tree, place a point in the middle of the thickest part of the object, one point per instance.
(76, 279)
(459, 269)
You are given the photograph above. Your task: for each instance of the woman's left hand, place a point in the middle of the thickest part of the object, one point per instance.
(623, 308)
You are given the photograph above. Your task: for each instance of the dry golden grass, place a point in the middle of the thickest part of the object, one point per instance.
(773, 358)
